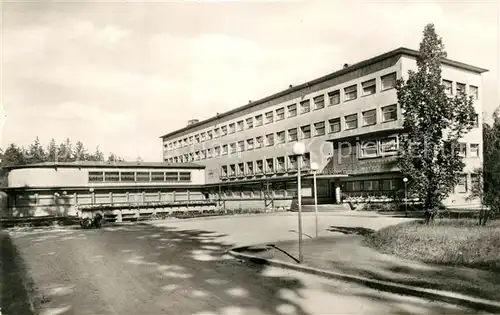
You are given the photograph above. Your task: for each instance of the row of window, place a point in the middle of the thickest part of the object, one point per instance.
(333, 98)
(460, 88)
(390, 145)
(334, 125)
(279, 164)
(99, 177)
(371, 185)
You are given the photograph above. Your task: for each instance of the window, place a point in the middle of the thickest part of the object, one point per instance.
(368, 149)
(269, 165)
(223, 130)
(389, 145)
(388, 81)
(280, 114)
(241, 146)
(241, 169)
(292, 110)
(96, 177)
(112, 176)
(185, 176)
(448, 87)
(175, 159)
(462, 149)
(197, 155)
(475, 181)
(128, 176)
(258, 120)
(157, 176)
(232, 170)
(270, 139)
(369, 117)
(305, 107)
(203, 136)
(474, 150)
(259, 142)
(203, 154)
(280, 163)
(259, 167)
(280, 137)
(191, 156)
(240, 126)
(305, 132)
(232, 148)
(319, 128)
(369, 87)
(462, 184)
(371, 185)
(476, 121)
(292, 162)
(250, 168)
(197, 139)
(389, 113)
(217, 151)
(249, 123)
(232, 128)
(474, 91)
(216, 133)
(224, 149)
(319, 102)
(142, 177)
(334, 125)
(249, 144)
(306, 161)
(460, 88)
(223, 170)
(334, 97)
(269, 117)
(171, 177)
(351, 92)
(389, 184)
(351, 121)
(292, 135)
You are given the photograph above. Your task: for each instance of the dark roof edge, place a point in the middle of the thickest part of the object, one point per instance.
(398, 51)
(166, 166)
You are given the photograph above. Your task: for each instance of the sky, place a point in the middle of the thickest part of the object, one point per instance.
(120, 75)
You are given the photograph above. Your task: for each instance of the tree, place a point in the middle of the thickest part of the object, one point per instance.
(52, 151)
(65, 151)
(13, 156)
(80, 153)
(433, 123)
(97, 156)
(35, 153)
(114, 158)
(485, 188)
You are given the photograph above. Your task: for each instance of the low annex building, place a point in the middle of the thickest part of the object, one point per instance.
(60, 189)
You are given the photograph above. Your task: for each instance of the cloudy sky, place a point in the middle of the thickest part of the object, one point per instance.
(120, 75)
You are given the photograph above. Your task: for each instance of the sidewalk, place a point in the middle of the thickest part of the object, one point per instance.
(348, 255)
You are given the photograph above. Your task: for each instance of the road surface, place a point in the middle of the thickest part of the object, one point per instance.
(178, 268)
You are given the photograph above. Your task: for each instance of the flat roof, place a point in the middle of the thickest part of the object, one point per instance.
(353, 67)
(98, 164)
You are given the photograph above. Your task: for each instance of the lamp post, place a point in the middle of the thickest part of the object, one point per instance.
(299, 150)
(314, 169)
(405, 180)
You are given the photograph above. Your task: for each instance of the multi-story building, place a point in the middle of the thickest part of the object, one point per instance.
(349, 121)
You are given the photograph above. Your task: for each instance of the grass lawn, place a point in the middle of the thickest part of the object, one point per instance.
(447, 241)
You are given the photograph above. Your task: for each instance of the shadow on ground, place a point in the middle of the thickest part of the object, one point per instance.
(170, 271)
(13, 295)
(348, 254)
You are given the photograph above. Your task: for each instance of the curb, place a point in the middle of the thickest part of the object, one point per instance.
(438, 295)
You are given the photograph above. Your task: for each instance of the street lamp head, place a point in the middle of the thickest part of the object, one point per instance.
(299, 148)
(91, 189)
(405, 179)
(314, 166)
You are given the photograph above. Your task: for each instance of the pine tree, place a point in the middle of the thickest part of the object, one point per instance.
(52, 151)
(433, 123)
